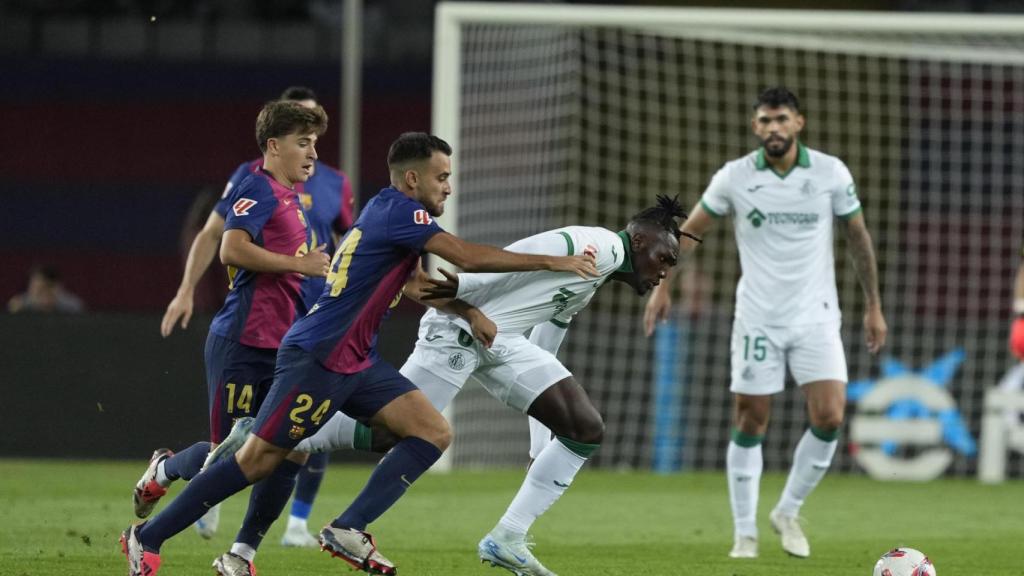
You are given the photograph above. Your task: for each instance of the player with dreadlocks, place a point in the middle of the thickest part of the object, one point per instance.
(523, 373)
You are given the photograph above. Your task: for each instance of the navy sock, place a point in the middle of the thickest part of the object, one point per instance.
(308, 484)
(187, 463)
(268, 498)
(397, 471)
(204, 492)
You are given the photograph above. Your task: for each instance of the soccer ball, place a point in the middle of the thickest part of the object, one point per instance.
(904, 562)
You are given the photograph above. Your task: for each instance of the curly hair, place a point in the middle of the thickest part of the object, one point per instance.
(667, 215)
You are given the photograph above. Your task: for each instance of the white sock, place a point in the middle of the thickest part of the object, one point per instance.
(743, 470)
(296, 523)
(546, 481)
(161, 476)
(243, 550)
(540, 437)
(811, 460)
(337, 434)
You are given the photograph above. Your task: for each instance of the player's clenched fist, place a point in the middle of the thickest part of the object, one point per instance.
(1017, 337)
(315, 262)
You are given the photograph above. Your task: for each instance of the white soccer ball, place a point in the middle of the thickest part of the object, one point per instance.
(904, 562)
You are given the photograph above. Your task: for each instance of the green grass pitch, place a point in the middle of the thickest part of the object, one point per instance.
(63, 518)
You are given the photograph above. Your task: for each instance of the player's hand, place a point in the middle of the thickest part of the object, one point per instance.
(315, 262)
(180, 308)
(437, 289)
(657, 308)
(583, 266)
(875, 330)
(483, 329)
(1017, 337)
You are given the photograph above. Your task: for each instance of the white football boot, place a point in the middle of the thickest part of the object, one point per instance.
(793, 540)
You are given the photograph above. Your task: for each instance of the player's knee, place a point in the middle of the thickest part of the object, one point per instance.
(589, 429)
(752, 422)
(828, 419)
(438, 433)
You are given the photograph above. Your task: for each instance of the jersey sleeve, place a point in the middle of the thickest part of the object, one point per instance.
(844, 193)
(223, 205)
(716, 199)
(410, 226)
(251, 206)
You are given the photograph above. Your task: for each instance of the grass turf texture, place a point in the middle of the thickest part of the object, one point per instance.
(63, 517)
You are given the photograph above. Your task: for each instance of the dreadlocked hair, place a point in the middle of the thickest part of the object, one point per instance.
(665, 216)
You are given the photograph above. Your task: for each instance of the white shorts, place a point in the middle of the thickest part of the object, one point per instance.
(760, 355)
(513, 370)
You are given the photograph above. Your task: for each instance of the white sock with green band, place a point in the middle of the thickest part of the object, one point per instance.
(743, 464)
(551, 473)
(811, 460)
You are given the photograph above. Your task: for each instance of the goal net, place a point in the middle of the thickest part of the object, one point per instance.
(566, 115)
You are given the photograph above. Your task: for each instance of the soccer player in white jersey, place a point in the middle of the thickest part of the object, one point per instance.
(784, 198)
(523, 373)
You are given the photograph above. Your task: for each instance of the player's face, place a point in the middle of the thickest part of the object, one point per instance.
(432, 186)
(296, 156)
(652, 260)
(777, 128)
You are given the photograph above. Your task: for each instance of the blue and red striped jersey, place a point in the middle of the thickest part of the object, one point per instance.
(368, 271)
(327, 199)
(261, 306)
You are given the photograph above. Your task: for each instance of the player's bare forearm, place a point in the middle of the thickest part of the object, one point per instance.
(201, 253)
(482, 258)
(862, 253)
(239, 251)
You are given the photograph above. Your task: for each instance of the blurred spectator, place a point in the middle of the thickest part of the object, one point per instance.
(45, 294)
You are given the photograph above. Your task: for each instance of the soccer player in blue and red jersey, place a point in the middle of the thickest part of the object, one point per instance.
(327, 200)
(266, 247)
(328, 361)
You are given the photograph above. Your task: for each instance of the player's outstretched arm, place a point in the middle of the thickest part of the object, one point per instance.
(240, 251)
(440, 294)
(482, 258)
(660, 302)
(200, 254)
(862, 252)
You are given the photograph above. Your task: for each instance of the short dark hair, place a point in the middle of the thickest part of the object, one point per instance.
(298, 93)
(280, 118)
(662, 216)
(777, 97)
(415, 146)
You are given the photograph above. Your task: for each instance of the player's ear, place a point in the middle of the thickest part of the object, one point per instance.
(412, 178)
(799, 120)
(272, 146)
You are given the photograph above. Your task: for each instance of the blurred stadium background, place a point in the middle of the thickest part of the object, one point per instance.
(124, 119)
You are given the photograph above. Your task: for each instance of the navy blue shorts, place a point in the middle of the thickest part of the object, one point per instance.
(305, 395)
(238, 378)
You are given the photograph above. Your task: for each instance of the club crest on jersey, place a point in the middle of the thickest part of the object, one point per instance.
(590, 250)
(421, 217)
(242, 206)
(296, 432)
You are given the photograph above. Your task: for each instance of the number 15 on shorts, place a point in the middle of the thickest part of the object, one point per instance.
(755, 348)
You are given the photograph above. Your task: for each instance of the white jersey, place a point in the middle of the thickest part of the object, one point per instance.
(518, 301)
(783, 226)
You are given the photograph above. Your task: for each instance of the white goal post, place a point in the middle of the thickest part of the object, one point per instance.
(574, 114)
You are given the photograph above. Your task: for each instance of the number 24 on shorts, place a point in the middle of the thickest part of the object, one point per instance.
(303, 402)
